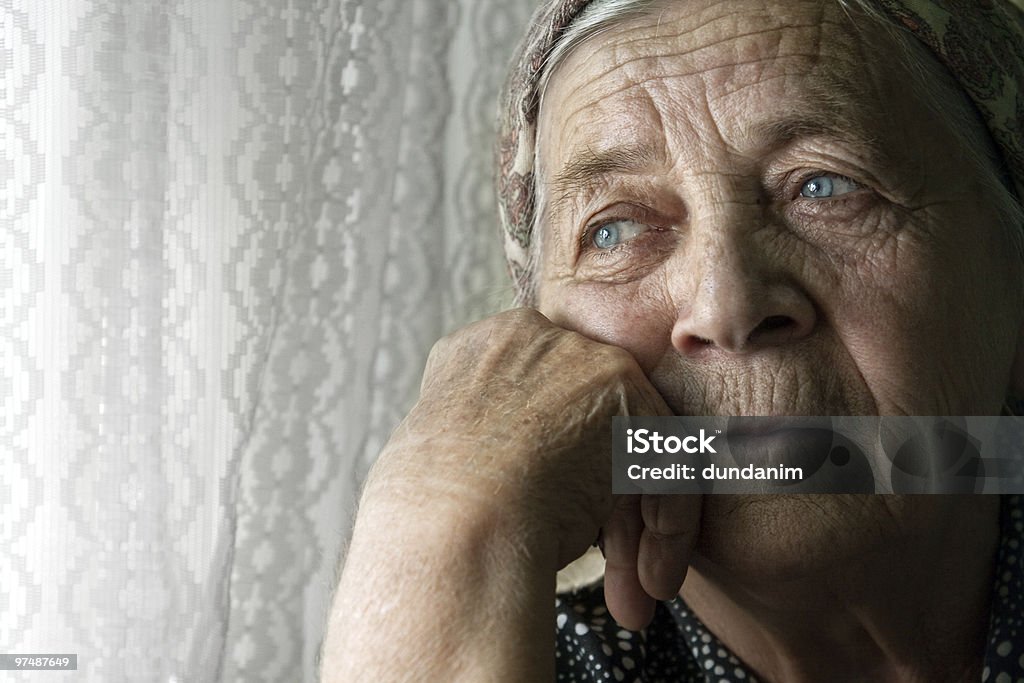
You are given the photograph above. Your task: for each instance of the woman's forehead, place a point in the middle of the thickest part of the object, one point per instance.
(696, 27)
(694, 73)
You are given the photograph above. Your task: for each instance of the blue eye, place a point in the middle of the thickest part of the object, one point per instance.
(827, 185)
(611, 235)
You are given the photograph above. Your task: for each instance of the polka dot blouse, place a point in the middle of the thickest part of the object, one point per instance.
(590, 646)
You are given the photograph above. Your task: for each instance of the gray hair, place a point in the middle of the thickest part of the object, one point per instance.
(945, 98)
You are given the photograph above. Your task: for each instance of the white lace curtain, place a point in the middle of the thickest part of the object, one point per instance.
(230, 230)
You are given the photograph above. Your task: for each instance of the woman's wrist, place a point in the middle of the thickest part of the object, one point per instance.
(461, 590)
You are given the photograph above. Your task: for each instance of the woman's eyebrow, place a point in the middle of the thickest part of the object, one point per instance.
(819, 123)
(586, 168)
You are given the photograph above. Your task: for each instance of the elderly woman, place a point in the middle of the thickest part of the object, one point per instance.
(754, 207)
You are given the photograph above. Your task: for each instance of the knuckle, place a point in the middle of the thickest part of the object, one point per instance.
(664, 520)
(618, 361)
(503, 324)
(438, 352)
(511, 320)
(651, 508)
(523, 315)
(657, 538)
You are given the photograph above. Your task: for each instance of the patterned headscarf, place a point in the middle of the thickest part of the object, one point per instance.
(981, 42)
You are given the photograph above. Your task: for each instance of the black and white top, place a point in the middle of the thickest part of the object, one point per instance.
(677, 647)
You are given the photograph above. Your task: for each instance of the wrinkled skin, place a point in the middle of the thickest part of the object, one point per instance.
(692, 135)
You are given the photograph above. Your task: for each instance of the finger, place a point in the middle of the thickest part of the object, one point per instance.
(671, 524)
(627, 602)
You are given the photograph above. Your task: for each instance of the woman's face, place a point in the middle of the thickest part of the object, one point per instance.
(762, 210)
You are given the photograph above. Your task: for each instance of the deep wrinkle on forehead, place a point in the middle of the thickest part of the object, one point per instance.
(632, 53)
(833, 105)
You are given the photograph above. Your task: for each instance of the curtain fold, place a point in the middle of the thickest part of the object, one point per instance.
(230, 231)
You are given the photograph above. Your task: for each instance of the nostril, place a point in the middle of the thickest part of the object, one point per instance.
(745, 328)
(770, 324)
(774, 322)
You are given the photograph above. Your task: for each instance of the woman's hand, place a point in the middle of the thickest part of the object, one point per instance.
(507, 456)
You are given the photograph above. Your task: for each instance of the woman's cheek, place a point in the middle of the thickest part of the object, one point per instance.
(623, 316)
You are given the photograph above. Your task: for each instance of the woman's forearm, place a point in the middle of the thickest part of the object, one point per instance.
(441, 592)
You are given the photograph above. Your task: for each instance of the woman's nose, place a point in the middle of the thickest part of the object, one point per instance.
(739, 301)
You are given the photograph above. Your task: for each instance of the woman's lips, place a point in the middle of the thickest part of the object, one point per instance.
(780, 440)
(757, 426)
